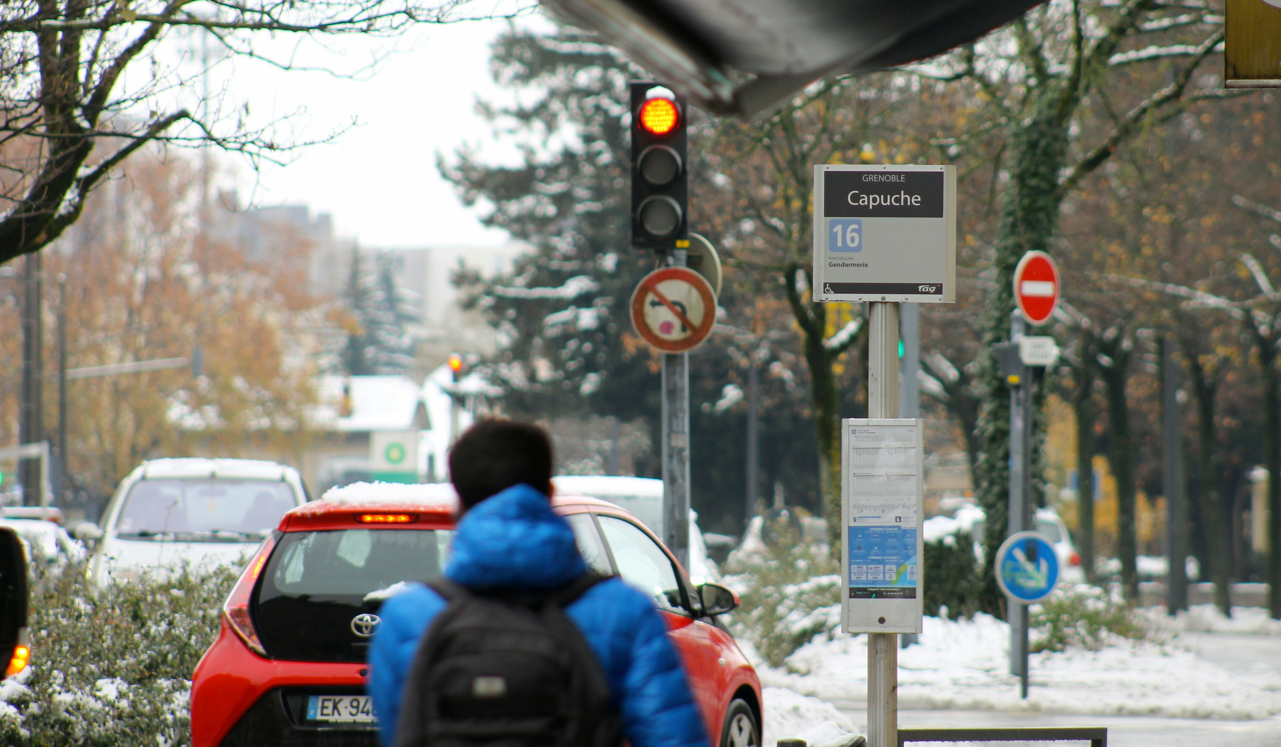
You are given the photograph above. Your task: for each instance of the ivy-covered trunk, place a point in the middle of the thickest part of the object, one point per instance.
(1029, 211)
(819, 357)
(1116, 374)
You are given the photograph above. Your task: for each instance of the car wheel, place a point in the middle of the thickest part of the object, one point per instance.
(741, 728)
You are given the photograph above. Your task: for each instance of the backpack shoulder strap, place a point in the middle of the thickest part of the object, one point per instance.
(569, 593)
(449, 590)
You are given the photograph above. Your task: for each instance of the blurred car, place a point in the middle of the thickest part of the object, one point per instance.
(288, 667)
(47, 544)
(15, 643)
(193, 511)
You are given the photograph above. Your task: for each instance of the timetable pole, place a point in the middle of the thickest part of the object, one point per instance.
(882, 648)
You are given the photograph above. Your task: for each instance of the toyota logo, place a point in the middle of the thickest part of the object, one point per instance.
(364, 625)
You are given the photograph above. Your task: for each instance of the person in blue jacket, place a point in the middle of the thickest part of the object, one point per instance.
(509, 537)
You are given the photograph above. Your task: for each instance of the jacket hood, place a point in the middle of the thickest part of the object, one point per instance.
(514, 539)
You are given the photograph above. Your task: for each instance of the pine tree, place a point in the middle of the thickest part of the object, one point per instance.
(377, 315)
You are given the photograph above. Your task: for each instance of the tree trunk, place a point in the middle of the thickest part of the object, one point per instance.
(827, 431)
(1083, 406)
(1029, 211)
(1121, 459)
(1272, 463)
(812, 319)
(1216, 536)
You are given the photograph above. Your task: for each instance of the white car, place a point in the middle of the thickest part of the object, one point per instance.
(971, 520)
(194, 511)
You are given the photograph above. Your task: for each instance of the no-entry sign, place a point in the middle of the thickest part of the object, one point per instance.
(673, 309)
(1036, 287)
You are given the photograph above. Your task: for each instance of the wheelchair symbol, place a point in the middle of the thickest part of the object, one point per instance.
(827, 288)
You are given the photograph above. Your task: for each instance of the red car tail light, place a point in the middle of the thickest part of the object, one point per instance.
(236, 609)
(387, 518)
(1074, 560)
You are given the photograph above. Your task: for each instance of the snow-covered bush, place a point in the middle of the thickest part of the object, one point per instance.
(113, 668)
(790, 593)
(953, 579)
(1083, 617)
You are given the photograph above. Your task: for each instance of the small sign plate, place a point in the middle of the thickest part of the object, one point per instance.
(1038, 350)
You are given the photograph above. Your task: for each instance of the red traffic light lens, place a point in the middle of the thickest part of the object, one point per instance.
(658, 116)
(455, 363)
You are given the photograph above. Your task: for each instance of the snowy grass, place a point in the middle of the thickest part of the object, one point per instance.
(113, 668)
(964, 664)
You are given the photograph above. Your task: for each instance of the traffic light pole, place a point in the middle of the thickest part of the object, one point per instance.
(676, 443)
(882, 648)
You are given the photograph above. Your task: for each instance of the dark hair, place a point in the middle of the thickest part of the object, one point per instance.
(494, 455)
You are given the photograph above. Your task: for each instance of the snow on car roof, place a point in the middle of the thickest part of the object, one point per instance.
(605, 486)
(440, 494)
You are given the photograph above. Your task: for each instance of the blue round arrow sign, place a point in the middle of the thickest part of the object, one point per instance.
(1026, 567)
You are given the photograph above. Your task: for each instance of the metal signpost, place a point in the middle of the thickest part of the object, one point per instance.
(1026, 570)
(884, 235)
(674, 309)
(1022, 359)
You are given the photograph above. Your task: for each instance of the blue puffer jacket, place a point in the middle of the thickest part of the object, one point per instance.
(514, 539)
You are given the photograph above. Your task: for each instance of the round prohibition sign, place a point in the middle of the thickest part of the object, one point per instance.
(673, 309)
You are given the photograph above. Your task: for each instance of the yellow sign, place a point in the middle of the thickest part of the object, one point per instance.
(1252, 56)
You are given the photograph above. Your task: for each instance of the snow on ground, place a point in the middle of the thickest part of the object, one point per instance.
(790, 714)
(1206, 618)
(964, 664)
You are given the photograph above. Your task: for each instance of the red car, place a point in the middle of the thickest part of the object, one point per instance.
(288, 667)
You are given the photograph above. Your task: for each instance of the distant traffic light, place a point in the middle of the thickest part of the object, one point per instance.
(660, 191)
(455, 365)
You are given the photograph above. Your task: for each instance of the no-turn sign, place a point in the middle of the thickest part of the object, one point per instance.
(673, 309)
(1036, 287)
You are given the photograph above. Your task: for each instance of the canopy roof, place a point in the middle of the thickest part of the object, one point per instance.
(745, 56)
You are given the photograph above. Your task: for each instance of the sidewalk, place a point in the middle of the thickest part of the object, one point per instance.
(963, 666)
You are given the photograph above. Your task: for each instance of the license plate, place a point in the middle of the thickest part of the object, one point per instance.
(340, 709)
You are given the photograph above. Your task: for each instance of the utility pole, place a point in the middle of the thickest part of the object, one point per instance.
(1020, 504)
(909, 389)
(62, 384)
(30, 413)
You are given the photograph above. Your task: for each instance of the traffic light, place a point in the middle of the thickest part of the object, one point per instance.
(455, 365)
(660, 183)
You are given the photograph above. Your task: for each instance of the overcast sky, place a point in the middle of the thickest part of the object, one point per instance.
(379, 180)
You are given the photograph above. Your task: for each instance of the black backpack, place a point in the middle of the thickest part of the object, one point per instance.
(507, 669)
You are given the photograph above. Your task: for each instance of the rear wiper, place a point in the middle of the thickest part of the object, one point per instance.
(226, 534)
